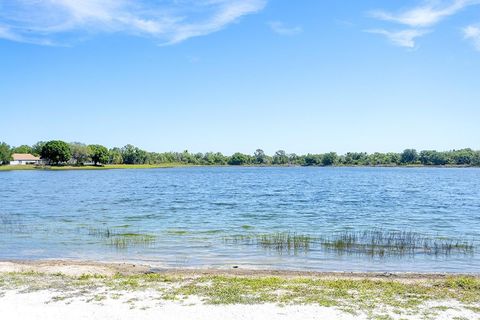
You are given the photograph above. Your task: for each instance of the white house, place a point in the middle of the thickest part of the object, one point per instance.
(25, 158)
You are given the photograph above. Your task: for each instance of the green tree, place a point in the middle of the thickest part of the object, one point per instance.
(5, 153)
(280, 157)
(260, 157)
(463, 156)
(22, 149)
(409, 156)
(293, 158)
(56, 152)
(219, 159)
(356, 158)
(393, 158)
(98, 153)
(312, 159)
(133, 155)
(80, 153)
(329, 159)
(37, 148)
(238, 159)
(115, 156)
(432, 157)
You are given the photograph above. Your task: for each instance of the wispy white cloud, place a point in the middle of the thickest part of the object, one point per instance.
(402, 38)
(169, 21)
(417, 19)
(6, 34)
(282, 29)
(426, 15)
(473, 33)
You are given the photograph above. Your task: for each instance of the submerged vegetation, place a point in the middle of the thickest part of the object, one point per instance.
(126, 240)
(282, 242)
(122, 240)
(380, 243)
(90, 156)
(372, 243)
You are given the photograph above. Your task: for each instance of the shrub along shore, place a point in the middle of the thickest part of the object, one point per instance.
(74, 155)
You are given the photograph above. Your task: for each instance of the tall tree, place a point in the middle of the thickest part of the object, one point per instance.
(409, 156)
(5, 153)
(80, 153)
(22, 149)
(238, 159)
(260, 157)
(98, 153)
(56, 152)
(133, 155)
(115, 156)
(329, 159)
(37, 148)
(280, 157)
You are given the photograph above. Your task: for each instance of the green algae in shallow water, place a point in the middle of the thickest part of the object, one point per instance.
(123, 226)
(211, 232)
(177, 232)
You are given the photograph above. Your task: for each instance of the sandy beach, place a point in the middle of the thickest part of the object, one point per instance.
(94, 290)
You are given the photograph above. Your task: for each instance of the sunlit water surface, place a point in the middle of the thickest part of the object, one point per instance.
(190, 212)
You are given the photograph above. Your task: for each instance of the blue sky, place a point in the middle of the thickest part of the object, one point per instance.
(237, 75)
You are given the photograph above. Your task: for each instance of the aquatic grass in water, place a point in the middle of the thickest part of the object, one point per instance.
(123, 240)
(281, 241)
(102, 232)
(11, 224)
(371, 243)
(126, 240)
(381, 243)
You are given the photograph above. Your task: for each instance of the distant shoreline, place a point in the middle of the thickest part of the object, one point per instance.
(181, 165)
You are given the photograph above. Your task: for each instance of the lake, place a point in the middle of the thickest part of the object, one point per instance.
(214, 216)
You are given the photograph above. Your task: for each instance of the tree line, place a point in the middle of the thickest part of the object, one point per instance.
(58, 152)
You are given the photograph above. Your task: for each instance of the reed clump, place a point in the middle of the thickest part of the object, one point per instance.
(377, 243)
(102, 232)
(126, 240)
(11, 224)
(122, 240)
(381, 243)
(280, 241)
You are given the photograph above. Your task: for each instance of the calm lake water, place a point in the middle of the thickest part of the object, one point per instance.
(189, 212)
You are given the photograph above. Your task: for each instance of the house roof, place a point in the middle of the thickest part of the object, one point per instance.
(24, 157)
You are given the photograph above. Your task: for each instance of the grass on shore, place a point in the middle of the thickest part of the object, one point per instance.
(375, 297)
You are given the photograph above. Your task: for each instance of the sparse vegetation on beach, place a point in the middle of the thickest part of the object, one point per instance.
(368, 295)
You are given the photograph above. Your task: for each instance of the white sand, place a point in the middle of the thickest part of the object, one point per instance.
(38, 305)
(104, 303)
(139, 305)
